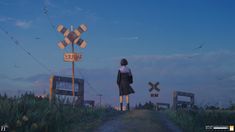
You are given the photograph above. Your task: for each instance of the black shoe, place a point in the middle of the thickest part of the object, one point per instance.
(121, 106)
(127, 106)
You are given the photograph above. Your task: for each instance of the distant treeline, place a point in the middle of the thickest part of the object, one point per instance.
(151, 106)
(147, 105)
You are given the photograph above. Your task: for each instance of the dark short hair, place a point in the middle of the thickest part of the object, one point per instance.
(124, 62)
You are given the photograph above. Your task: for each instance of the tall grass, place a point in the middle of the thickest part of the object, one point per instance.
(31, 114)
(196, 120)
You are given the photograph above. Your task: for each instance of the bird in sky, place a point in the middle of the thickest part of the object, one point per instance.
(190, 57)
(16, 66)
(199, 47)
(45, 11)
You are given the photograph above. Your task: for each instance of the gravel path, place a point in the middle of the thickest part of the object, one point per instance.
(139, 121)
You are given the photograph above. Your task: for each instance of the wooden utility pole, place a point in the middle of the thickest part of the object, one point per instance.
(73, 89)
(100, 95)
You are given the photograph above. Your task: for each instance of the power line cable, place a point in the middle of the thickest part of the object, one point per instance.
(17, 43)
(52, 25)
(87, 82)
(90, 86)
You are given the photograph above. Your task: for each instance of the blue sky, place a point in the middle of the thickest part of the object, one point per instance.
(159, 38)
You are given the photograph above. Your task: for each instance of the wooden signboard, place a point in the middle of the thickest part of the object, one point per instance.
(177, 103)
(59, 86)
(72, 57)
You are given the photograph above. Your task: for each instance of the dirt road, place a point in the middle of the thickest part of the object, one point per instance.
(139, 121)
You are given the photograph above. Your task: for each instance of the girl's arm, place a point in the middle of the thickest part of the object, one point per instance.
(118, 77)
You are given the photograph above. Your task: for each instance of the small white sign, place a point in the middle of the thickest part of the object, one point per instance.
(72, 57)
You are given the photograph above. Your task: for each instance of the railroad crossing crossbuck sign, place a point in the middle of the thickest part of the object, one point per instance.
(72, 37)
(154, 87)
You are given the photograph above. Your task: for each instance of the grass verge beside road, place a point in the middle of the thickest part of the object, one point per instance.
(31, 114)
(197, 120)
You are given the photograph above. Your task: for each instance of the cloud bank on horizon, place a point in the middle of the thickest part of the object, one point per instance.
(210, 76)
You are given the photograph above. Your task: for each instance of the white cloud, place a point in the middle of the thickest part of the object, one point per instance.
(5, 3)
(130, 38)
(91, 16)
(181, 64)
(208, 75)
(79, 8)
(115, 22)
(48, 3)
(23, 24)
(16, 22)
(5, 19)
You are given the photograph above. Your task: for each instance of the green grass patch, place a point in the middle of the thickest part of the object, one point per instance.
(196, 120)
(31, 114)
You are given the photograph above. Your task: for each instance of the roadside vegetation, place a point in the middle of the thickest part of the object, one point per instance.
(197, 120)
(34, 114)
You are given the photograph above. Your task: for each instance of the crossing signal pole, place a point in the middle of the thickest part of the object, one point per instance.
(154, 89)
(72, 37)
(100, 95)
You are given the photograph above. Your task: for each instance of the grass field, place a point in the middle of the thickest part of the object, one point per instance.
(196, 120)
(31, 114)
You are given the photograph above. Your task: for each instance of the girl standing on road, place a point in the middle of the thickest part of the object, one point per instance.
(124, 79)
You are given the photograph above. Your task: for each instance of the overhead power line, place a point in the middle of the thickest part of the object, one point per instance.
(17, 43)
(51, 22)
(91, 87)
